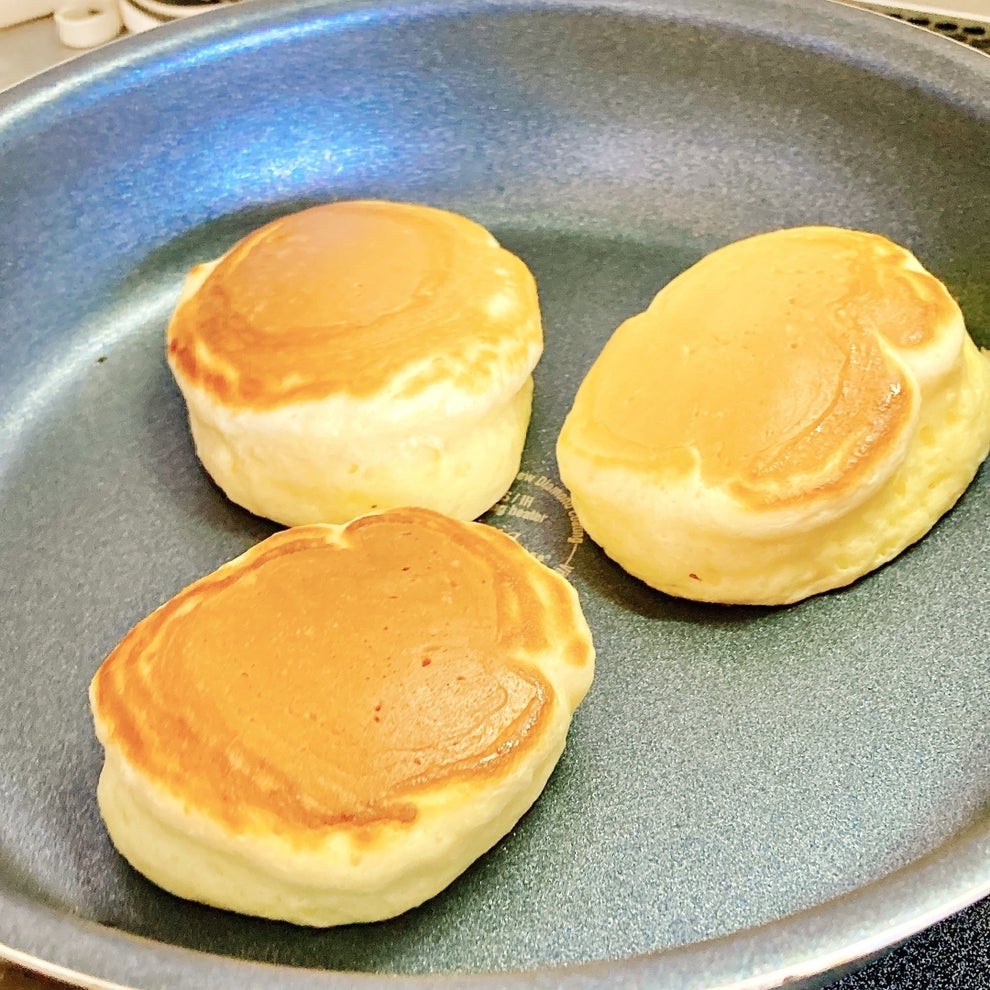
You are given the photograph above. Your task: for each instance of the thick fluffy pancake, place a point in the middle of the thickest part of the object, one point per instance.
(333, 726)
(786, 415)
(356, 356)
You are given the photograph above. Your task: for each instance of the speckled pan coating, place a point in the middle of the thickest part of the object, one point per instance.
(732, 770)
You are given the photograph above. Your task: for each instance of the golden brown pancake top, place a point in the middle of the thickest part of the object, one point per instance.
(323, 681)
(767, 364)
(340, 298)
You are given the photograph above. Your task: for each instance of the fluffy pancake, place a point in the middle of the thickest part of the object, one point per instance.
(333, 726)
(359, 355)
(788, 414)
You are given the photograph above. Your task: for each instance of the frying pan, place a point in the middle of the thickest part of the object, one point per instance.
(749, 796)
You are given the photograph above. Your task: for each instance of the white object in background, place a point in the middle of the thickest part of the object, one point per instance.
(137, 20)
(87, 23)
(170, 9)
(17, 11)
(140, 15)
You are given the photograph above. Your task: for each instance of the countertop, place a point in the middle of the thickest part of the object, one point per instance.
(27, 49)
(953, 955)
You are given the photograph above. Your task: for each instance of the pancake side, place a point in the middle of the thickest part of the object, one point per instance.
(788, 414)
(333, 726)
(359, 356)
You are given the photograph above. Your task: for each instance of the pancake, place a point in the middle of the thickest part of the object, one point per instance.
(359, 355)
(786, 415)
(331, 727)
